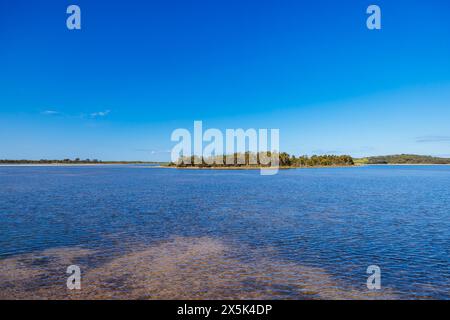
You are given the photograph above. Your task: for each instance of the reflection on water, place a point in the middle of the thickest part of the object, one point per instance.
(147, 233)
(182, 268)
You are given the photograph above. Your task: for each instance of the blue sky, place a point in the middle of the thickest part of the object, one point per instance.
(137, 70)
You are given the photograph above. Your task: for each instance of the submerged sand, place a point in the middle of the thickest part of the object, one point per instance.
(180, 268)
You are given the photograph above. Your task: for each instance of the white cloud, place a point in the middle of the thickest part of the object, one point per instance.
(100, 114)
(50, 112)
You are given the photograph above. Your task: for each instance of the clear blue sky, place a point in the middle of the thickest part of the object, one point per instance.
(137, 70)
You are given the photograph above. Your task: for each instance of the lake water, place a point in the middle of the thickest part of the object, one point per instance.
(148, 233)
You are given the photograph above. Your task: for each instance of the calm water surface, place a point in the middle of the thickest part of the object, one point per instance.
(139, 232)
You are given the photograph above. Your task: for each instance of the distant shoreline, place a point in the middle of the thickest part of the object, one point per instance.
(75, 164)
(155, 166)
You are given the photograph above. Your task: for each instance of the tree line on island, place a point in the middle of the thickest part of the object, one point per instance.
(250, 159)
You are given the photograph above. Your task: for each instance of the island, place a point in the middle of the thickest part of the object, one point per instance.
(250, 160)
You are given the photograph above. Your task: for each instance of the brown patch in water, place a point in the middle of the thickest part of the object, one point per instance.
(182, 268)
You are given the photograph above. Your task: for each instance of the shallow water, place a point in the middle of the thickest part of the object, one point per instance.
(146, 233)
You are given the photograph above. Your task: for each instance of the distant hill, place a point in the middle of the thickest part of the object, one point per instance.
(403, 159)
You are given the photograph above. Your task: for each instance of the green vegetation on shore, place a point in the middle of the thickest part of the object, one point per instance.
(403, 159)
(74, 161)
(255, 160)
